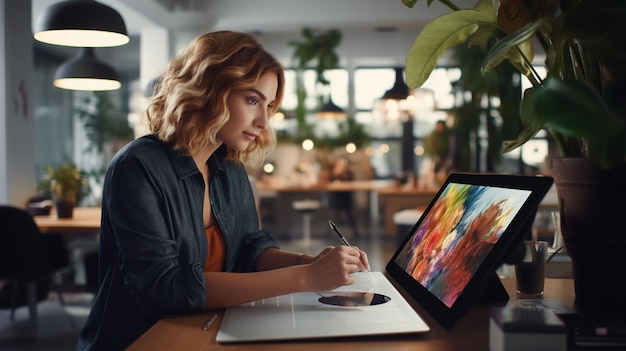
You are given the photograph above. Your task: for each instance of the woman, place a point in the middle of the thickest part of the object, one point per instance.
(180, 230)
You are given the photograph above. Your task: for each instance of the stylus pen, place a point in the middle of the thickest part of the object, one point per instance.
(208, 324)
(334, 227)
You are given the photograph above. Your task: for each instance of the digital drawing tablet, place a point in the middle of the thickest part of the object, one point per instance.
(370, 306)
(449, 257)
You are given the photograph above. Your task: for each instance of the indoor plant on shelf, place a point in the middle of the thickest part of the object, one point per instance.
(67, 184)
(580, 104)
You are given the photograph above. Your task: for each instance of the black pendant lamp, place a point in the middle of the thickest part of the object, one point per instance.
(330, 110)
(81, 23)
(86, 72)
(400, 90)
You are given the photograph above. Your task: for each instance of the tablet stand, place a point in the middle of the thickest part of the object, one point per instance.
(494, 292)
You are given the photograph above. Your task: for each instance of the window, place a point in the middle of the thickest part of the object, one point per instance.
(316, 96)
(386, 151)
(370, 84)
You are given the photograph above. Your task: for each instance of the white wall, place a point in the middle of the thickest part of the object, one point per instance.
(17, 151)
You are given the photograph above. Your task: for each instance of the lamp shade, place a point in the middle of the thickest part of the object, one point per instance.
(330, 110)
(400, 90)
(81, 23)
(86, 72)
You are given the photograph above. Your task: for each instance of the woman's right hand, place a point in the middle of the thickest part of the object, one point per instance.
(332, 268)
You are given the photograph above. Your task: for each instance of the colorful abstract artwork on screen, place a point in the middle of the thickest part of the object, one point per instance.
(456, 236)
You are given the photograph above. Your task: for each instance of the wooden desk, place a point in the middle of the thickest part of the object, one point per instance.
(86, 220)
(352, 185)
(470, 333)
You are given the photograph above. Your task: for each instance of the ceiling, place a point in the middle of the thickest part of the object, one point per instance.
(256, 16)
(269, 15)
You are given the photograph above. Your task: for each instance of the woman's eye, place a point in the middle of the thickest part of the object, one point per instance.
(253, 100)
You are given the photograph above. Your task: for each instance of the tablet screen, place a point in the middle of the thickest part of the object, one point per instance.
(463, 236)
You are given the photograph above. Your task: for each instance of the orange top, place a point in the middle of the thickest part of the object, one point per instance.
(216, 251)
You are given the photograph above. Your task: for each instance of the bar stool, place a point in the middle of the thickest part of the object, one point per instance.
(306, 208)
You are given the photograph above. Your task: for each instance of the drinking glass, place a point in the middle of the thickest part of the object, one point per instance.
(530, 273)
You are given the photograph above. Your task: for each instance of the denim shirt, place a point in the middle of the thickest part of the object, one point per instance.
(152, 242)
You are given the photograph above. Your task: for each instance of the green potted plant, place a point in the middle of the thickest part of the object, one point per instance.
(66, 184)
(579, 103)
(316, 50)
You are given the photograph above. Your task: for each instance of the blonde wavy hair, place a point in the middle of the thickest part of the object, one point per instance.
(189, 104)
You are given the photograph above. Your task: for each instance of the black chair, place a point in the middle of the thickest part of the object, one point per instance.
(28, 259)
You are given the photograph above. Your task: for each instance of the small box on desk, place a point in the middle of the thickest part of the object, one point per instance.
(522, 328)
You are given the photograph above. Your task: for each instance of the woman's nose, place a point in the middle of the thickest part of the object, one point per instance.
(262, 119)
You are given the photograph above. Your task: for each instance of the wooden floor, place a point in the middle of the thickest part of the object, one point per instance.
(59, 325)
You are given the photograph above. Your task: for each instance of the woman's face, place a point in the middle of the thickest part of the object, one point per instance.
(249, 112)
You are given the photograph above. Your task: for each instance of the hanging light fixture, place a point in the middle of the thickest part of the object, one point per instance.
(400, 90)
(330, 110)
(86, 72)
(81, 23)
(393, 103)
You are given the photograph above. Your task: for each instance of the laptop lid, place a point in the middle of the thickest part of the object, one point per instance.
(451, 254)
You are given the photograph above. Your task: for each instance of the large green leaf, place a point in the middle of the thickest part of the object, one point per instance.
(525, 135)
(531, 124)
(527, 114)
(515, 47)
(575, 108)
(442, 34)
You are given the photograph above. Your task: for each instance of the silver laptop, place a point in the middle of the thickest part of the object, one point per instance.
(370, 306)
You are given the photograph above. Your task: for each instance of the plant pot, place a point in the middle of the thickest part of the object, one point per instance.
(64, 208)
(592, 205)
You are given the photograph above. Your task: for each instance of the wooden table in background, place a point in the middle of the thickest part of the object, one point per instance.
(470, 333)
(286, 193)
(85, 220)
